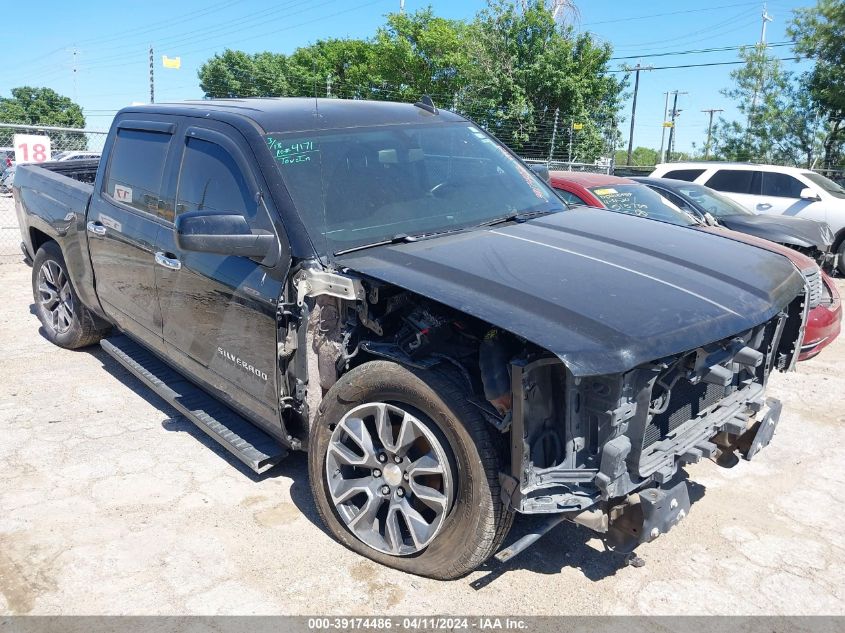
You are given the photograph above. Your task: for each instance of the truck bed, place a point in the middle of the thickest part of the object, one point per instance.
(52, 191)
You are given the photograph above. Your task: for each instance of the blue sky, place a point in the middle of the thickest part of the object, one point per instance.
(112, 41)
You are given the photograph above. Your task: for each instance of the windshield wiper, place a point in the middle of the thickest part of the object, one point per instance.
(522, 216)
(402, 238)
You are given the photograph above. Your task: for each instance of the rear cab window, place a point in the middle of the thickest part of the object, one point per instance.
(135, 169)
(683, 174)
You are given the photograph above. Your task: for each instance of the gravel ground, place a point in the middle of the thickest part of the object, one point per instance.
(111, 503)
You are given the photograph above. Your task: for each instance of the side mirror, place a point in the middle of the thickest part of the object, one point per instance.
(542, 170)
(808, 194)
(221, 233)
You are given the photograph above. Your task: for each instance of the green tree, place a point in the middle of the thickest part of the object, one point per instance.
(778, 123)
(526, 67)
(514, 69)
(419, 53)
(42, 106)
(239, 74)
(640, 157)
(819, 33)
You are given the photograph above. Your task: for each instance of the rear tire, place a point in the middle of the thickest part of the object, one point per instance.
(841, 264)
(475, 520)
(66, 322)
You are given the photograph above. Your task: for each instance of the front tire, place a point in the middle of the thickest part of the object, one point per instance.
(67, 323)
(841, 264)
(406, 472)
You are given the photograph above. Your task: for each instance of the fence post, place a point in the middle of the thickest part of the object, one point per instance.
(554, 136)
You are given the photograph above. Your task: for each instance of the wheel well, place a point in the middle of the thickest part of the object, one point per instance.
(38, 239)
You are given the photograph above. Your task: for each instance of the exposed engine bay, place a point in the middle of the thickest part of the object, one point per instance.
(597, 448)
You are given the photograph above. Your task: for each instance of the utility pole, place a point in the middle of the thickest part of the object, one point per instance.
(637, 70)
(401, 6)
(675, 113)
(711, 111)
(766, 19)
(554, 136)
(761, 46)
(663, 125)
(328, 86)
(152, 77)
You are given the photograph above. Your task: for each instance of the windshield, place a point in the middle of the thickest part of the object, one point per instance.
(712, 202)
(362, 186)
(825, 183)
(637, 199)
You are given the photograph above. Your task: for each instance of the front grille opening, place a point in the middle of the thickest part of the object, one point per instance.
(686, 401)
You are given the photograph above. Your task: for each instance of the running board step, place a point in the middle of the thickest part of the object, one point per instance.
(251, 445)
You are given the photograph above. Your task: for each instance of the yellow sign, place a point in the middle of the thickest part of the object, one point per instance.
(668, 124)
(577, 126)
(171, 62)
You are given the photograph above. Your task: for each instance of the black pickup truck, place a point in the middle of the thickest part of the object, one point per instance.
(388, 288)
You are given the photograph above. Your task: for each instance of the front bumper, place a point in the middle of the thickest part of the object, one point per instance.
(642, 516)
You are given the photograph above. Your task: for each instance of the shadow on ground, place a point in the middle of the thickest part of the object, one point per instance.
(567, 545)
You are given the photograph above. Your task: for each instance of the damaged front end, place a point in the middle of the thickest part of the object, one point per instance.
(605, 450)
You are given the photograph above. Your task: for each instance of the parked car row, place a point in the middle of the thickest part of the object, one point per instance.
(785, 192)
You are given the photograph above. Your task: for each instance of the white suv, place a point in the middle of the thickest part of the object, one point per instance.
(771, 189)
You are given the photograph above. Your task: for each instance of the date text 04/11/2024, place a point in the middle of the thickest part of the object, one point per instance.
(418, 623)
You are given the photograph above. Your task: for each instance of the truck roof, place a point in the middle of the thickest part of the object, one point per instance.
(291, 114)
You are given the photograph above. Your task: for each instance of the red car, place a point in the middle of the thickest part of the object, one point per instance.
(627, 196)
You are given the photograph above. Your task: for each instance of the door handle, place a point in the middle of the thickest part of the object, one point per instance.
(168, 262)
(764, 205)
(97, 229)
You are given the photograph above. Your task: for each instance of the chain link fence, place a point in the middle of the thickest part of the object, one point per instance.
(35, 142)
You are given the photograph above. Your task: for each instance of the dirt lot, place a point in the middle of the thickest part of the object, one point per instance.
(111, 503)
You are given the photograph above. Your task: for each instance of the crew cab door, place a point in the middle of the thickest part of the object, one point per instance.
(126, 213)
(218, 310)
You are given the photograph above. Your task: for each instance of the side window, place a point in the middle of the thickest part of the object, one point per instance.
(781, 185)
(568, 197)
(135, 169)
(736, 181)
(211, 180)
(683, 174)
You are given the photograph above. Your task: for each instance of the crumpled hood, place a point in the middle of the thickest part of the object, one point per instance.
(783, 229)
(604, 292)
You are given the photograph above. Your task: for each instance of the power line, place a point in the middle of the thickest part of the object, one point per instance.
(660, 15)
(252, 36)
(710, 29)
(249, 20)
(718, 49)
(779, 59)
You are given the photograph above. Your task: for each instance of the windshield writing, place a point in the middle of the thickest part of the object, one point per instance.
(360, 186)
